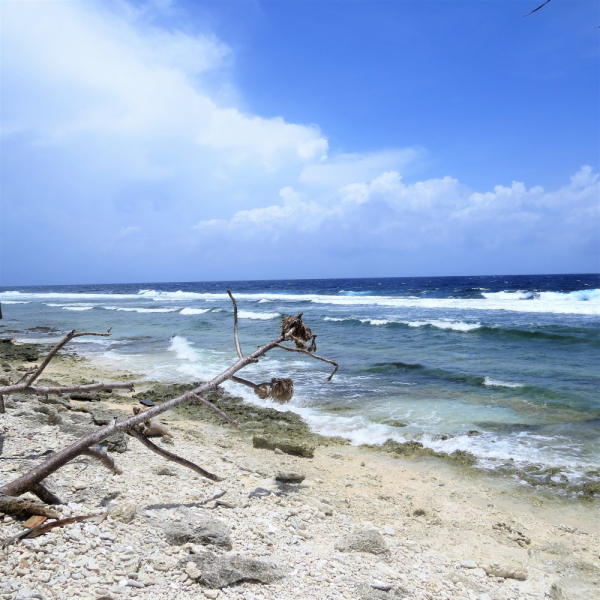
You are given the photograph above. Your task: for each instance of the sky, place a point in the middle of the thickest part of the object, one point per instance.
(165, 140)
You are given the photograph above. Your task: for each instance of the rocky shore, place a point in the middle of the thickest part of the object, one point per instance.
(296, 515)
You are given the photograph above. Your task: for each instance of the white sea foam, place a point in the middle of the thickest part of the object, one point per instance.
(15, 302)
(78, 308)
(246, 314)
(497, 383)
(193, 311)
(264, 300)
(377, 322)
(583, 302)
(445, 324)
(439, 323)
(141, 310)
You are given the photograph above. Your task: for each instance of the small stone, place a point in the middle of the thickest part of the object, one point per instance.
(163, 563)
(468, 564)
(278, 451)
(211, 593)
(384, 587)
(363, 541)
(43, 576)
(79, 485)
(289, 477)
(135, 584)
(123, 512)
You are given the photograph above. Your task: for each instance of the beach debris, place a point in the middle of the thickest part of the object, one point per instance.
(33, 521)
(217, 572)
(366, 540)
(289, 477)
(198, 530)
(148, 403)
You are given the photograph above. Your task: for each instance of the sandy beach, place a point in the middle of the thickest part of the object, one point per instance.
(339, 522)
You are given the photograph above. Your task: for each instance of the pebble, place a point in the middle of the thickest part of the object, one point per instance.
(468, 564)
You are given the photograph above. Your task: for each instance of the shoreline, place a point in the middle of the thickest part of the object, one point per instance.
(444, 526)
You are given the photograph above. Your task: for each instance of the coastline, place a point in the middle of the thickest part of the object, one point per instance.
(444, 526)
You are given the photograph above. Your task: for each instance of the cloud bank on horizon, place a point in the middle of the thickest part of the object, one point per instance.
(128, 155)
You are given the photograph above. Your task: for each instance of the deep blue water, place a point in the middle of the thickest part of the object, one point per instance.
(514, 358)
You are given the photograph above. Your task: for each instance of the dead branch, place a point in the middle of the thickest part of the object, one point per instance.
(70, 336)
(24, 506)
(235, 326)
(170, 456)
(216, 409)
(138, 425)
(44, 494)
(65, 389)
(300, 351)
(101, 455)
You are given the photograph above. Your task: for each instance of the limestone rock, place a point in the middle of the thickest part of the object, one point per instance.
(496, 570)
(289, 477)
(363, 541)
(221, 571)
(295, 448)
(200, 530)
(123, 512)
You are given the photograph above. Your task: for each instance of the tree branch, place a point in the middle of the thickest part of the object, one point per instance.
(44, 494)
(71, 335)
(173, 457)
(20, 506)
(299, 351)
(235, 325)
(101, 454)
(65, 389)
(56, 461)
(216, 409)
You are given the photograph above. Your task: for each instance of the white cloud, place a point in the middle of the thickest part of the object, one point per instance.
(387, 213)
(109, 119)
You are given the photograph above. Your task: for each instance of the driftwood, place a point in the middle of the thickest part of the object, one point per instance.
(144, 422)
(25, 384)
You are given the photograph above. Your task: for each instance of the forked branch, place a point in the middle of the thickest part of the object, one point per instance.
(173, 457)
(235, 326)
(300, 351)
(70, 336)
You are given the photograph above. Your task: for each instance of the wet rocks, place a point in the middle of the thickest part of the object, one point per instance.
(286, 445)
(217, 572)
(363, 541)
(11, 350)
(202, 530)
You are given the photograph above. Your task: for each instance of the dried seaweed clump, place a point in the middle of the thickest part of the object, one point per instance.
(282, 389)
(293, 328)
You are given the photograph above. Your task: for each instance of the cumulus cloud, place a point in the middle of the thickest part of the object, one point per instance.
(109, 118)
(436, 217)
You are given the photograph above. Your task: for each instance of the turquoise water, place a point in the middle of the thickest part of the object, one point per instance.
(506, 368)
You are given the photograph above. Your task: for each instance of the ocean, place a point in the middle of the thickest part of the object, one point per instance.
(506, 368)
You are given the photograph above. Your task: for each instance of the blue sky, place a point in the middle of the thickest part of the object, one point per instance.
(188, 141)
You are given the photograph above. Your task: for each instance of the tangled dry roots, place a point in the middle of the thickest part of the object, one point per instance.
(262, 391)
(282, 389)
(293, 327)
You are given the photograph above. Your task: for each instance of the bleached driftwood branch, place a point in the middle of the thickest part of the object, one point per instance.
(24, 384)
(280, 389)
